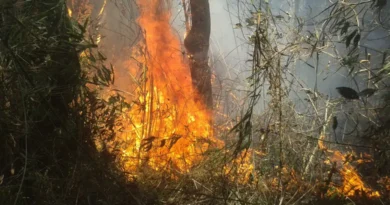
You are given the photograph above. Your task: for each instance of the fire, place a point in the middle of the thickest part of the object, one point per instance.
(288, 177)
(70, 12)
(321, 145)
(241, 169)
(166, 128)
(352, 183)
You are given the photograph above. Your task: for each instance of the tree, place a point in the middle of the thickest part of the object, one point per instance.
(196, 42)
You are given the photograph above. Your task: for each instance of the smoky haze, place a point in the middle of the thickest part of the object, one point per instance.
(229, 50)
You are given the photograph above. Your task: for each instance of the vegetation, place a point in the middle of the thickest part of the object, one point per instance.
(59, 129)
(51, 112)
(301, 144)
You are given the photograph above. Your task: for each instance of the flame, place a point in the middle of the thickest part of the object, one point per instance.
(70, 12)
(167, 129)
(241, 169)
(352, 184)
(286, 176)
(321, 145)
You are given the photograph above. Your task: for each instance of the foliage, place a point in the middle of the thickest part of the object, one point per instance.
(51, 113)
(58, 130)
(298, 138)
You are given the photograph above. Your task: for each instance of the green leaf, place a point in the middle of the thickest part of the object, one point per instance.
(112, 100)
(100, 75)
(101, 56)
(92, 58)
(83, 27)
(107, 73)
(356, 40)
(350, 37)
(347, 93)
(367, 92)
(345, 28)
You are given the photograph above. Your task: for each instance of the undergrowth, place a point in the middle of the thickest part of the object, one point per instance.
(52, 115)
(51, 112)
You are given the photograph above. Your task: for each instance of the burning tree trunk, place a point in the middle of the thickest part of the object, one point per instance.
(196, 43)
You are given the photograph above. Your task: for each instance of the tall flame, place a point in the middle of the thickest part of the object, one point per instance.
(167, 128)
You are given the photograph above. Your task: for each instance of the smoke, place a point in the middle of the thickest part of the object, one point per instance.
(230, 50)
(323, 73)
(119, 33)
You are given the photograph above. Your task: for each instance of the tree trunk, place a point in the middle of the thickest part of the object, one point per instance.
(196, 44)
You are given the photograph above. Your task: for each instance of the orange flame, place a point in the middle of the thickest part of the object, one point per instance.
(241, 169)
(167, 129)
(353, 185)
